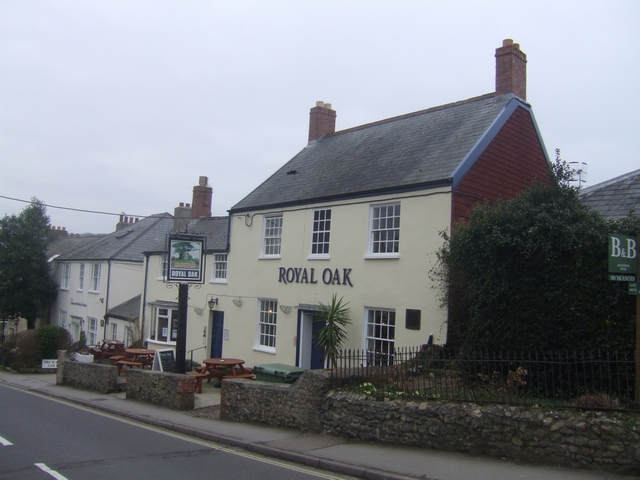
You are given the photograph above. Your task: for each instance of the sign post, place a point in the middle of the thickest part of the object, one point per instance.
(623, 266)
(185, 266)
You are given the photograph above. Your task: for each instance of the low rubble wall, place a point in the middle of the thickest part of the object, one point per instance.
(92, 376)
(277, 404)
(171, 390)
(608, 441)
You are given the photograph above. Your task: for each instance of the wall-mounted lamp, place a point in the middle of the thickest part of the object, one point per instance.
(212, 303)
(285, 308)
(237, 302)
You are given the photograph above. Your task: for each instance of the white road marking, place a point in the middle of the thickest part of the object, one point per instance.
(186, 438)
(53, 473)
(5, 442)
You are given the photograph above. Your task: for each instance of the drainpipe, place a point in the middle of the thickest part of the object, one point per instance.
(143, 306)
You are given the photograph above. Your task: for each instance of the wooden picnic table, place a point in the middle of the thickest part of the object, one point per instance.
(226, 368)
(107, 349)
(135, 357)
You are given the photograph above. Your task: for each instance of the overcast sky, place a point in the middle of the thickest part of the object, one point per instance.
(119, 106)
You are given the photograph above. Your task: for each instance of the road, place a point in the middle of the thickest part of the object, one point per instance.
(42, 438)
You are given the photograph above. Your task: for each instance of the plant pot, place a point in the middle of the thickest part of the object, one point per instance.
(78, 357)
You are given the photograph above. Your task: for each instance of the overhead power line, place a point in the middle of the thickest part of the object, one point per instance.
(70, 208)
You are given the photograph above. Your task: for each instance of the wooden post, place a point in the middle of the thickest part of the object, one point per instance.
(181, 340)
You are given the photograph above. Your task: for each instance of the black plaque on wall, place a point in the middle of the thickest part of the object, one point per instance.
(412, 321)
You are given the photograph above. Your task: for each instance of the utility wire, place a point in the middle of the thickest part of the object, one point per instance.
(73, 209)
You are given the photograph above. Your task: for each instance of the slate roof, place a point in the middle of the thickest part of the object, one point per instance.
(614, 198)
(62, 245)
(129, 310)
(126, 244)
(414, 151)
(216, 229)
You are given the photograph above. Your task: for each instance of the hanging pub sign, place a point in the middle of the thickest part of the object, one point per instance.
(186, 258)
(623, 257)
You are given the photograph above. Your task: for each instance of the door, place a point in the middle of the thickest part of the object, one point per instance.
(217, 331)
(310, 355)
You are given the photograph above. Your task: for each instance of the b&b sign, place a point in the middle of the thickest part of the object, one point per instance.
(623, 257)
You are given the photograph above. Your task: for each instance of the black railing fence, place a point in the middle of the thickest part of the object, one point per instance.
(599, 379)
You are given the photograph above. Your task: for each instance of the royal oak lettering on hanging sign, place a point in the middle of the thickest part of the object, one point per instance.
(329, 276)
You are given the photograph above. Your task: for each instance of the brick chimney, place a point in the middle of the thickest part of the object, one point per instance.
(181, 216)
(322, 121)
(511, 70)
(202, 194)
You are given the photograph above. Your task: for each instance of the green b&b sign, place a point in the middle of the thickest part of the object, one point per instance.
(623, 257)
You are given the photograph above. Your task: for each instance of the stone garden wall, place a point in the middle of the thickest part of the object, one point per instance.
(92, 376)
(171, 390)
(277, 404)
(600, 440)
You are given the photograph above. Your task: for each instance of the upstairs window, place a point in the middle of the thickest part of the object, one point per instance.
(220, 268)
(95, 277)
(81, 278)
(66, 273)
(272, 237)
(321, 232)
(384, 236)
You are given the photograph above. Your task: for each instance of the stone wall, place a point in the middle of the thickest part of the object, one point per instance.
(171, 390)
(99, 378)
(598, 440)
(278, 404)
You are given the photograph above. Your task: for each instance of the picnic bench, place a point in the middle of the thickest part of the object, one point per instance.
(108, 349)
(127, 363)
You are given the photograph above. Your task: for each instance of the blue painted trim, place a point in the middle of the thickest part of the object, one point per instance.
(484, 141)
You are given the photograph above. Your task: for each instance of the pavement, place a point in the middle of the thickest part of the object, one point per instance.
(339, 455)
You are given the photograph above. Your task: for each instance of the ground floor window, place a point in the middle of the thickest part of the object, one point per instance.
(381, 332)
(164, 328)
(92, 330)
(114, 331)
(62, 318)
(267, 320)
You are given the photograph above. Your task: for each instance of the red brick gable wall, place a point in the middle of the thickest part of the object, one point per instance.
(513, 160)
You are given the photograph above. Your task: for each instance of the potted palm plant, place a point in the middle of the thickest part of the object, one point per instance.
(331, 337)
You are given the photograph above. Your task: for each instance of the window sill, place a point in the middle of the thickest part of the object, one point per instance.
(222, 281)
(270, 257)
(94, 291)
(318, 257)
(269, 350)
(160, 342)
(381, 256)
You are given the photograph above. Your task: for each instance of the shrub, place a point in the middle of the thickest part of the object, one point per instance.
(50, 339)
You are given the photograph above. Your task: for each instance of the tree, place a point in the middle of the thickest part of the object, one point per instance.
(332, 335)
(530, 273)
(26, 286)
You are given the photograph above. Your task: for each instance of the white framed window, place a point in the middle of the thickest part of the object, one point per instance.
(321, 233)
(267, 322)
(62, 318)
(164, 328)
(384, 231)
(114, 331)
(381, 333)
(81, 278)
(95, 277)
(219, 268)
(272, 237)
(64, 278)
(92, 330)
(164, 265)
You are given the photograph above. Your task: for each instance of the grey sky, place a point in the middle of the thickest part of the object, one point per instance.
(119, 106)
